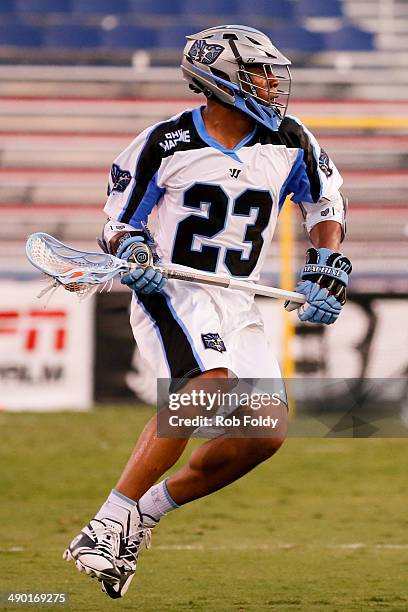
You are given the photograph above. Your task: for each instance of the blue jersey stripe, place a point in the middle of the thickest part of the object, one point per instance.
(296, 183)
(146, 204)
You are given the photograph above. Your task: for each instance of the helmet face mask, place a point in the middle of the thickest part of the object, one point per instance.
(239, 66)
(267, 94)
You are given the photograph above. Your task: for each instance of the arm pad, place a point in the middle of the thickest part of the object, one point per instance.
(333, 209)
(115, 234)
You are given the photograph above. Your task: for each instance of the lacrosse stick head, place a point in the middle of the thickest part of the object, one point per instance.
(77, 271)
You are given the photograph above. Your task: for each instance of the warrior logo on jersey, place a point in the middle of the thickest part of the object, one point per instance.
(213, 341)
(205, 53)
(324, 163)
(120, 179)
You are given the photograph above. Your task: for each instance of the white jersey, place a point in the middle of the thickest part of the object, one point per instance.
(217, 208)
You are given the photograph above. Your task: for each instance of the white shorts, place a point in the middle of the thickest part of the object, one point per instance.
(190, 328)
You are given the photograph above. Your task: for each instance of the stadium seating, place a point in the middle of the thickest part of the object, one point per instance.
(173, 37)
(278, 9)
(71, 36)
(99, 7)
(125, 36)
(192, 8)
(6, 7)
(298, 26)
(27, 7)
(158, 7)
(19, 35)
(349, 38)
(295, 38)
(319, 8)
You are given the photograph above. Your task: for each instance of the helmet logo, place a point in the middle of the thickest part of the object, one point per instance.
(202, 52)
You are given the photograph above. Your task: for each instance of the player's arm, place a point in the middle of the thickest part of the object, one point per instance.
(326, 234)
(324, 277)
(133, 191)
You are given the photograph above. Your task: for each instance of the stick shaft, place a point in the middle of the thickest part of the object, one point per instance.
(247, 286)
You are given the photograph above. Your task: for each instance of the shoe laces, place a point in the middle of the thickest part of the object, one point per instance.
(133, 542)
(109, 541)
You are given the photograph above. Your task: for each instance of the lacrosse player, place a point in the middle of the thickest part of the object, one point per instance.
(217, 177)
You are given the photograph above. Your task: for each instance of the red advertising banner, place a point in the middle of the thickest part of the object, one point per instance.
(46, 353)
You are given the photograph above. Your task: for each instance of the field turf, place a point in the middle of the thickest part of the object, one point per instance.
(321, 526)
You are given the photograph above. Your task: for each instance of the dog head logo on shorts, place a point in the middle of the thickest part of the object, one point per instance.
(213, 341)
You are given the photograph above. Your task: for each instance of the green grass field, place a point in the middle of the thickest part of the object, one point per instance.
(321, 526)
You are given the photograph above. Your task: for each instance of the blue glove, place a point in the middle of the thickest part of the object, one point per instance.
(320, 307)
(325, 279)
(146, 279)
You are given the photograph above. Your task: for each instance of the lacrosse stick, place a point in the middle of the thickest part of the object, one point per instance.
(81, 271)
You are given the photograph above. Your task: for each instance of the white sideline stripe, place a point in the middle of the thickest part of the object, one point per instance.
(260, 547)
(267, 547)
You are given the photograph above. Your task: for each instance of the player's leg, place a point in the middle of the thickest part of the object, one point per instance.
(109, 545)
(213, 466)
(219, 462)
(153, 455)
(180, 334)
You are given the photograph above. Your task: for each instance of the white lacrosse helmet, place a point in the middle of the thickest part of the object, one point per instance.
(221, 57)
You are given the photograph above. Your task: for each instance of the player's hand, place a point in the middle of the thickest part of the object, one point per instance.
(320, 307)
(324, 280)
(146, 279)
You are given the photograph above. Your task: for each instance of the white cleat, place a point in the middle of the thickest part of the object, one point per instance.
(134, 536)
(108, 550)
(96, 549)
